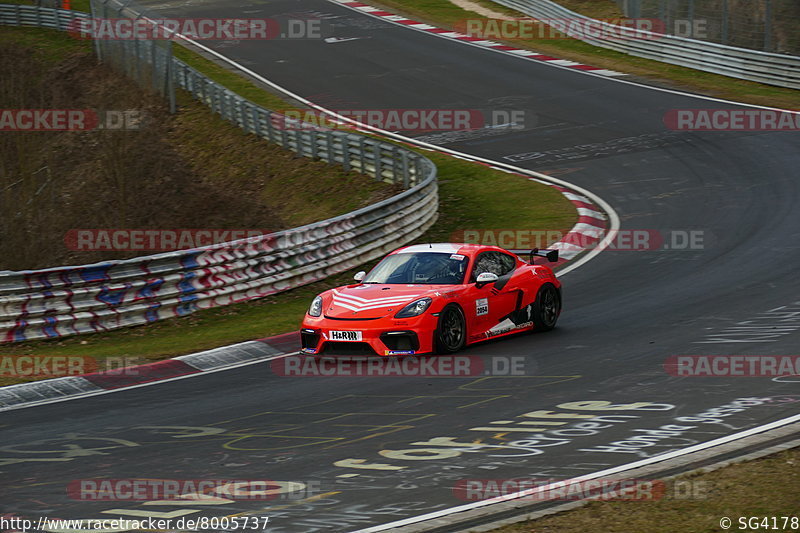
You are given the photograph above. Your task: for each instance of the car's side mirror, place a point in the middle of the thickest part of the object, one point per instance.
(485, 278)
(359, 276)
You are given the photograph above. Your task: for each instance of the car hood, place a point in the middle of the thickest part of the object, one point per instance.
(376, 300)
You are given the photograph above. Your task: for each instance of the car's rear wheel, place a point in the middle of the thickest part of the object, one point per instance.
(546, 308)
(451, 331)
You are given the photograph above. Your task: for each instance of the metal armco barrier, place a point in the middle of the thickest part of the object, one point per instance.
(753, 65)
(63, 301)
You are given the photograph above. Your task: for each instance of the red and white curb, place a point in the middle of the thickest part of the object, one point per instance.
(71, 387)
(491, 45)
(587, 233)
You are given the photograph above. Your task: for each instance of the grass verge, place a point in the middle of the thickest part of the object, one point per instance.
(444, 13)
(762, 488)
(139, 178)
(472, 196)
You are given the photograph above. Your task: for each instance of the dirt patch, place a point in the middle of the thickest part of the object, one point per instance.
(481, 10)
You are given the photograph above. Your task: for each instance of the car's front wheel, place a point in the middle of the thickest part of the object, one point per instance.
(451, 330)
(546, 308)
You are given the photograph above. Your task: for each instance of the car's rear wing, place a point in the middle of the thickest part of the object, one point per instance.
(551, 255)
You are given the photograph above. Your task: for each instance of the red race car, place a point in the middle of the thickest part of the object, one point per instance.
(434, 298)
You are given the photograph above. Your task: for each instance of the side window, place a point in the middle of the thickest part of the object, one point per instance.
(494, 262)
(507, 262)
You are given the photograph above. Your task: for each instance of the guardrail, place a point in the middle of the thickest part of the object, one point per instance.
(63, 301)
(753, 65)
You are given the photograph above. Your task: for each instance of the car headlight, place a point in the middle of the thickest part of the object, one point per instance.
(316, 307)
(415, 308)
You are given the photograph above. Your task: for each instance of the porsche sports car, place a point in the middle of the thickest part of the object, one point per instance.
(434, 298)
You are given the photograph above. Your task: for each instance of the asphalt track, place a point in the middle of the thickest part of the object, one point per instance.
(625, 312)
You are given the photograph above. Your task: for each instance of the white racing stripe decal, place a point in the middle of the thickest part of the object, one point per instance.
(356, 299)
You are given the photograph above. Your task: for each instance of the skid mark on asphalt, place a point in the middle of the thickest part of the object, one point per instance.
(499, 383)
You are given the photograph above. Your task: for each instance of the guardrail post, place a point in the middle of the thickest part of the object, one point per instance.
(395, 174)
(270, 127)
(284, 137)
(196, 87)
(242, 116)
(298, 142)
(314, 135)
(362, 154)
(376, 150)
(236, 111)
(406, 176)
(255, 118)
(344, 139)
(329, 144)
(202, 90)
(183, 77)
(212, 95)
(227, 108)
(217, 96)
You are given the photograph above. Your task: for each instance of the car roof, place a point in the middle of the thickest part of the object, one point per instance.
(448, 247)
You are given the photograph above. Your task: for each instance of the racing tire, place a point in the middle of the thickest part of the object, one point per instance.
(451, 330)
(546, 308)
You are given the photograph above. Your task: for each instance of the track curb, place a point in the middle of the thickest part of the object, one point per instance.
(44, 391)
(484, 43)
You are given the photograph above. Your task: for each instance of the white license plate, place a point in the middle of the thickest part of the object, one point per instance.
(345, 335)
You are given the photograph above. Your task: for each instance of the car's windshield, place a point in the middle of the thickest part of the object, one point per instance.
(427, 268)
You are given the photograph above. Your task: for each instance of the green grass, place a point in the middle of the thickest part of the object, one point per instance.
(231, 80)
(764, 487)
(472, 196)
(445, 14)
(49, 51)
